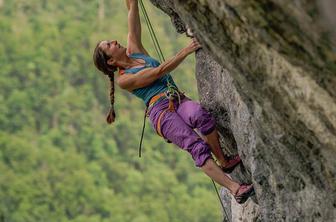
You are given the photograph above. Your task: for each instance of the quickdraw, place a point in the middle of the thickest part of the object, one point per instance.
(171, 94)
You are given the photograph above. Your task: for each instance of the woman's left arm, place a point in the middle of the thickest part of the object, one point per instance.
(134, 43)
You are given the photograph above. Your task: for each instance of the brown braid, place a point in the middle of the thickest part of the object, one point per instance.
(111, 115)
(100, 60)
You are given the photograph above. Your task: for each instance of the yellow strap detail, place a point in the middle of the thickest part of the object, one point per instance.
(158, 128)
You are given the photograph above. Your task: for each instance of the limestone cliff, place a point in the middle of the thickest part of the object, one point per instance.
(267, 72)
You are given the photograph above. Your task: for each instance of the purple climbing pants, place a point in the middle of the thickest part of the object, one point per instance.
(178, 126)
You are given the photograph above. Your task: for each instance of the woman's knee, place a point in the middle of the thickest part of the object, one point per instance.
(206, 123)
(197, 117)
(193, 109)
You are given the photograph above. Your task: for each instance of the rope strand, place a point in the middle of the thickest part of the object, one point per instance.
(152, 33)
(220, 200)
(159, 52)
(143, 130)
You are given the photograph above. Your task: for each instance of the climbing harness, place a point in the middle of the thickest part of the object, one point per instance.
(172, 91)
(171, 94)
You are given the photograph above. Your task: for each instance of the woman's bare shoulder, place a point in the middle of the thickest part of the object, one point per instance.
(120, 76)
(132, 48)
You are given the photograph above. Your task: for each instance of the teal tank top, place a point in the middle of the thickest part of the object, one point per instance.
(158, 86)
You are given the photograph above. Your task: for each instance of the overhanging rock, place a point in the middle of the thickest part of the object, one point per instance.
(267, 72)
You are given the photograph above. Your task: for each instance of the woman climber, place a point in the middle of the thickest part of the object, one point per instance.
(172, 114)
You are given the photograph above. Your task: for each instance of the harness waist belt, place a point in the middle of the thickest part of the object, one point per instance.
(170, 108)
(155, 98)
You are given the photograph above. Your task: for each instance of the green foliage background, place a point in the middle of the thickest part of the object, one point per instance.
(59, 160)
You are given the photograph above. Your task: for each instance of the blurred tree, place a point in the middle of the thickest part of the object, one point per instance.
(59, 160)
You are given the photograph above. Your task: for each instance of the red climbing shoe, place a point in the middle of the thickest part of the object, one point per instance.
(243, 193)
(232, 162)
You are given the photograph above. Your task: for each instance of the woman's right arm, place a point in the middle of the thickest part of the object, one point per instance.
(134, 43)
(147, 76)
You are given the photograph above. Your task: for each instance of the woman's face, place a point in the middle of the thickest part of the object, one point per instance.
(112, 49)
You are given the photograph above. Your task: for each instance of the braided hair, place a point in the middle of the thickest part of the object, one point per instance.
(100, 60)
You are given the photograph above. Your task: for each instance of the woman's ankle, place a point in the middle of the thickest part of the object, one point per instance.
(234, 188)
(222, 163)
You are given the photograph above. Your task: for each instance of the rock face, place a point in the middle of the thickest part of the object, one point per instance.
(267, 71)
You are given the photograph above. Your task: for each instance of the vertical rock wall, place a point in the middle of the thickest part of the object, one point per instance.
(267, 72)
